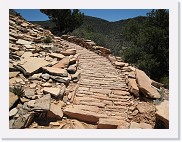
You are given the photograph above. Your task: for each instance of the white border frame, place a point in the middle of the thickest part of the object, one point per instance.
(171, 133)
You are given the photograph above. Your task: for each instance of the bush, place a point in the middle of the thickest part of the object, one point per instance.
(48, 39)
(18, 90)
(165, 80)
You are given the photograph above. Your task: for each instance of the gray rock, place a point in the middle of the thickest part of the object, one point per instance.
(45, 76)
(64, 80)
(75, 77)
(13, 112)
(22, 121)
(29, 93)
(43, 104)
(72, 69)
(19, 123)
(31, 104)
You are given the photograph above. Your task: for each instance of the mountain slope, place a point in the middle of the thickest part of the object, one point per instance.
(103, 32)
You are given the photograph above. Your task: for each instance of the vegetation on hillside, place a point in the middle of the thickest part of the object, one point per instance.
(65, 20)
(142, 41)
(149, 48)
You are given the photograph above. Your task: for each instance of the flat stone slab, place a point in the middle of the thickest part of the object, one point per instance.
(56, 55)
(23, 42)
(62, 63)
(43, 104)
(31, 65)
(103, 91)
(69, 52)
(120, 64)
(56, 71)
(53, 91)
(144, 84)
(108, 123)
(86, 116)
(27, 55)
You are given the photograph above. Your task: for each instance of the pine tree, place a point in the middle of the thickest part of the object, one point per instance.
(65, 20)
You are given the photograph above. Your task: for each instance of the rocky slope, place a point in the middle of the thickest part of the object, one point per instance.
(71, 83)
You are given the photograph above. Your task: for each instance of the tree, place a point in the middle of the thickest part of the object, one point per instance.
(65, 20)
(149, 50)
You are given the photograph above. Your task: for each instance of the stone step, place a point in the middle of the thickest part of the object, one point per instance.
(86, 116)
(109, 123)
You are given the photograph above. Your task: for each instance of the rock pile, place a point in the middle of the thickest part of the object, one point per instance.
(88, 44)
(41, 74)
(54, 83)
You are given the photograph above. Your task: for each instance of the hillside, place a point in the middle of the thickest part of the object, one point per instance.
(141, 41)
(104, 33)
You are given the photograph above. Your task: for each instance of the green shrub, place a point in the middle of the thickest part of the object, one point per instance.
(165, 80)
(17, 90)
(47, 39)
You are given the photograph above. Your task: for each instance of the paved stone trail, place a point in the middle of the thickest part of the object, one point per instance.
(102, 90)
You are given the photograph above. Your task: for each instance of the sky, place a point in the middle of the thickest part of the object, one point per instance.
(106, 14)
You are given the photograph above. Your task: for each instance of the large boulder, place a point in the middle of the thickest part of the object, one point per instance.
(132, 86)
(162, 113)
(144, 84)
